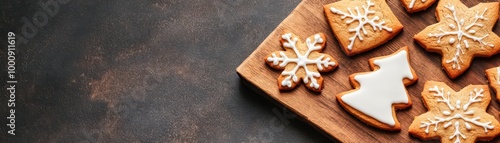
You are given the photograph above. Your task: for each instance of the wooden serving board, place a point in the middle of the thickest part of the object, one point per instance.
(322, 110)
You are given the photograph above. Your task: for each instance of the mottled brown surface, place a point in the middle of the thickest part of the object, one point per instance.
(322, 110)
(145, 71)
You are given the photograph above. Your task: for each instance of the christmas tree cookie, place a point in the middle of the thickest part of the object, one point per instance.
(416, 5)
(461, 34)
(301, 61)
(493, 75)
(362, 25)
(455, 116)
(378, 93)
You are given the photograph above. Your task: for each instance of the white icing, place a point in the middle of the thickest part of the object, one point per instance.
(478, 95)
(474, 97)
(412, 3)
(458, 104)
(445, 126)
(440, 93)
(452, 40)
(470, 112)
(375, 99)
(459, 30)
(467, 125)
(457, 134)
(301, 61)
(362, 18)
(446, 113)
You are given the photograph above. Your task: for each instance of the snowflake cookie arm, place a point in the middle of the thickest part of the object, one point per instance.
(280, 59)
(283, 60)
(324, 62)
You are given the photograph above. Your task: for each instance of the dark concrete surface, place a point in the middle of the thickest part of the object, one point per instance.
(142, 71)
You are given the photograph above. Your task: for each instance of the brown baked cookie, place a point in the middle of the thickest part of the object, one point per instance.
(301, 61)
(493, 75)
(461, 34)
(455, 116)
(412, 6)
(361, 25)
(377, 94)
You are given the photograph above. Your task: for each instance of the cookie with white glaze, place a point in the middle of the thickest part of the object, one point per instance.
(301, 61)
(461, 34)
(361, 25)
(377, 94)
(455, 116)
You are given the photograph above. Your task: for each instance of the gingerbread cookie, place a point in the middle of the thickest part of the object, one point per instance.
(455, 116)
(461, 34)
(493, 75)
(301, 61)
(362, 25)
(378, 93)
(412, 6)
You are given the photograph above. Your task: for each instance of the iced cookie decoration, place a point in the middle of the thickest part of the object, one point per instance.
(455, 116)
(301, 61)
(412, 6)
(362, 25)
(493, 75)
(461, 34)
(378, 93)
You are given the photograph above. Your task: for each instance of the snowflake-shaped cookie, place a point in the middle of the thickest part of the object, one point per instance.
(493, 75)
(362, 25)
(455, 116)
(461, 34)
(301, 61)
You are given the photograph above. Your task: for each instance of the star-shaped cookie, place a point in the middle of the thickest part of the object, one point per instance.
(461, 34)
(455, 116)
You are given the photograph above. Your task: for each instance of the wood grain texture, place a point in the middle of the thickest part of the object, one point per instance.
(322, 110)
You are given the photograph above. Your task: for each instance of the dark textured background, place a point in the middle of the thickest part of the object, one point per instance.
(144, 71)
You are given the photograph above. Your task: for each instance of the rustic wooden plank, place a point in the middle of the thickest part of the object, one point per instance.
(321, 109)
